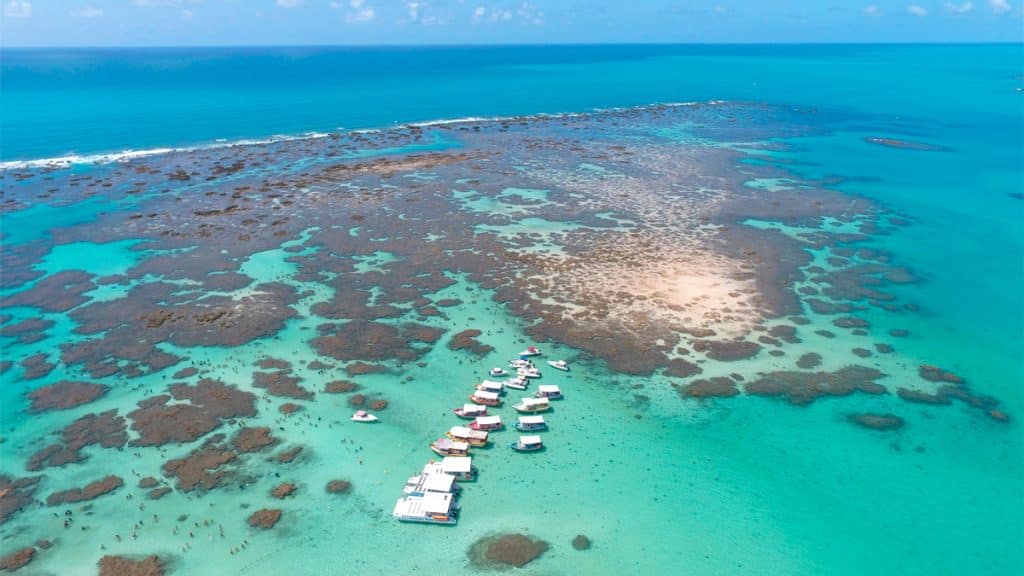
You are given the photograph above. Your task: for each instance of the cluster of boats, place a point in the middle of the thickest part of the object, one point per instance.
(430, 497)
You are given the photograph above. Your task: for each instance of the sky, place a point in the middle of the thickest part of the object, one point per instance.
(368, 22)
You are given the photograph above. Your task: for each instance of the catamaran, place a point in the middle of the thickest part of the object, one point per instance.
(528, 373)
(530, 351)
(498, 372)
(486, 398)
(517, 383)
(449, 447)
(491, 386)
(431, 508)
(520, 363)
(487, 423)
(532, 405)
(468, 435)
(470, 411)
(549, 391)
(422, 484)
(559, 365)
(461, 469)
(531, 423)
(527, 444)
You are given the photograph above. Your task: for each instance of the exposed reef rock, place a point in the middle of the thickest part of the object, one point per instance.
(88, 492)
(338, 487)
(17, 559)
(122, 566)
(506, 550)
(64, 394)
(467, 340)
(877, 421)
(719, 386)
(802, 388)
(265, 518)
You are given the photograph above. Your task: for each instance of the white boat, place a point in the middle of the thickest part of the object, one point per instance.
(423, 483)
(461, 469)
(491, 386)
(520, 363)
(449, 447)
(468, 435)
(528, 373)
(517, 383)
(527, 444)
(486, 398)
(364, 416)
(531, 423)
(470, 411)
(549, 391)
(497, 372)
(487, 423)
(532, 405)
(530, 351)
(431, 508)
(559, 365)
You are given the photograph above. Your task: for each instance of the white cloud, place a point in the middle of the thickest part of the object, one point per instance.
(414, 10)
(479, 13)
(917, 10)
(529, 13)
(289, 3)
(18, 9)
(171, 3)
(999, 6)
(359, 12)
(87, 12)
(526, 12)
(959, 8)
(872, 10)
(186, 14)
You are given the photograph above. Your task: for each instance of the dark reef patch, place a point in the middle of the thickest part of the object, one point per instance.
(718, 386)
(467, 340)
(15, 494)
(64, 394)
(122, 566)
(252, 439)
(809, 361)
(203, 467)
(17, 559)
(338, 487)
(265, 518)
(506, 550)
(876, 421)
(802, 388)
(727, 351)
(106, 429)
(88, 492)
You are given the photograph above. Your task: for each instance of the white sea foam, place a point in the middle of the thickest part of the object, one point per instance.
(126, 155)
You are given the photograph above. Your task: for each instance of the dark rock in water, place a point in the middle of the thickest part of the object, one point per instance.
(378, 404)
(265, 518)
(15, 494)
(825, 333)
(467, 340)
(581, 542)
(148, 482)
(785, 333)
(339, 487)
(281, 383)
(1016, 195)
(802, 388)
(88, 492)
(121, 566)
(899, 333)
(905, 144)
(809, 360)
(200, 468)
(158, 493)
(186, 373)
(289, 455)
(252, 439)
(679, 368)
(318, 365)
(357, 400)
(269, 363)
(883, 348)
(936, 374)
(920, 397)
(705, 388)
(505, 550)
(727, 350)
(851, 322)
(17, 559)
(341, 387)
(64, 394)
(357, 368)
(861, 352)
(999, 415)
(283, 490)
(877, 421)
(106, 429)
(289, 408)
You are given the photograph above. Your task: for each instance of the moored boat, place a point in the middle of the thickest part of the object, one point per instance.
(486, 398)
(528, 373)
(487, 423)
(549, 391)
(517, 383)
(430, 508)
(470, 411)
(491, 386)
(559, 365)
(498, 372)
(527, 444)
(421, 484)
(364, 416)
(530, 351)
(461, 468)
(532, 405)
(449, 447)
(531, 423)
(468, 435)
(520, 363)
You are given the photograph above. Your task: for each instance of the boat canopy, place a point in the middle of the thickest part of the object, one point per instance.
(485, 395)
(531, 419)
(534, 401)
(473, 408)
(488, 420)
(436, 503)
(448, 444)
(527, 440)
(438, 483)
(548, 389)
(452, 465)
(491, 385)
(463, 432)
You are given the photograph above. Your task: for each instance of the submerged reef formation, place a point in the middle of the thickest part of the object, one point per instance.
(506, 550)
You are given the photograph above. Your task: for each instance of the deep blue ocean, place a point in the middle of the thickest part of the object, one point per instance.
(933, 134)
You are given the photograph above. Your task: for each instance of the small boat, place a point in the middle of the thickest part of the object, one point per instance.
(517, 383)
(520, 363)
(487, 423)
(423, 483)
(486, 398)
(532, 405)
(549, 391)
(449, 447)
(364, 416)
(527, 444)
(559, 365)
(531, 423)
(468, 435)
(430, 508)
(470, 411)
(491, 386)
(461, 469)
(528, 373)
(497, 372)
(531, 351)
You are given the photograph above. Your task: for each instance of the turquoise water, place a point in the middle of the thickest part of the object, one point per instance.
(661, 484)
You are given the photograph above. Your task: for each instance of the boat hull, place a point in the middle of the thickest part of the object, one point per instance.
(531, 428)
